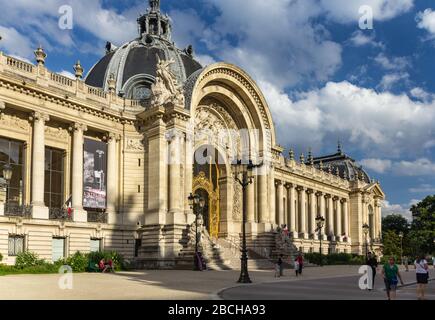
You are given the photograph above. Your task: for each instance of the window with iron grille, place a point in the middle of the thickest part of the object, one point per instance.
(16, 245)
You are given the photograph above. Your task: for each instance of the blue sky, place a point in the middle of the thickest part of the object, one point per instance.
(324, 78)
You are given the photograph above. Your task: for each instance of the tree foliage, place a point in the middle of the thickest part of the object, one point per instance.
(422, 234)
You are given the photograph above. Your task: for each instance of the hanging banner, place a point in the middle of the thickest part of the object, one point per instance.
(94, 174)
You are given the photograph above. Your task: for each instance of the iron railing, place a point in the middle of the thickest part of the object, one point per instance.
(59, 214)
(97, 216)
(16, 210)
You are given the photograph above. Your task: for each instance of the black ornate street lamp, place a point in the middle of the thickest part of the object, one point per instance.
(320, 222)
(366, 229)
(195, 200)
(243, 175)
(7, 175)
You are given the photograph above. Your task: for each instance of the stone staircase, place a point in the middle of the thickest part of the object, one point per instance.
(224, 253)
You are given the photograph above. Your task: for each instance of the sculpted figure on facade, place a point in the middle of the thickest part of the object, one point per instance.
(166, 88)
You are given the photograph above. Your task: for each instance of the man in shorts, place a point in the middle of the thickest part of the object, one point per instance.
(391, 274)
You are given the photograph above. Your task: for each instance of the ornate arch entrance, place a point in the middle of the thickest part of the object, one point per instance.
(207, 173)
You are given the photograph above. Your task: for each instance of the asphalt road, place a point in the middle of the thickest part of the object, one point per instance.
(338, 288)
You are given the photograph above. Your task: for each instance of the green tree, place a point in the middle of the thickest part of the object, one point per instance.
(396, 223)
(391, 242)
(422, 234)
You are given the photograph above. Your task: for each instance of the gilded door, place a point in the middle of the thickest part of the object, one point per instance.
(201, 181)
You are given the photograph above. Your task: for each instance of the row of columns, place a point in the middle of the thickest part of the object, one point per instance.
(298, 207)
(39, 210)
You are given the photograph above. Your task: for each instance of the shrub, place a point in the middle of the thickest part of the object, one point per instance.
(78, 262)
(27, 259)
(1, 257)
(335, 259)
(117, 259)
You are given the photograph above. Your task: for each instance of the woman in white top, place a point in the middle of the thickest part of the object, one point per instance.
(422, 272)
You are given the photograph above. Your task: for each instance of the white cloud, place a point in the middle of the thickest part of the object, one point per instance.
(389, 80)
(15, 44)
(393, 63)
(421, 94)
(426, 21)
(377, 165)
(360, 39)
(419, 167)
(424, 188)
(283, 47)
(348, 11)
(403, 209)
(378, 124)
(37, 22)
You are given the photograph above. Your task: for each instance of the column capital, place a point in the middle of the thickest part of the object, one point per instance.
(111, 136)
(319, 193)
(310, 191)
(289, 185)
(335, 198)
(328, 196)
(343, 200)
(301, 188)
(78, 127)
(278, 183)
(39, 116)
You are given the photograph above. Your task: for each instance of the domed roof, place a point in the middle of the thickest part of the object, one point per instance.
(134, 64)
(347, 167)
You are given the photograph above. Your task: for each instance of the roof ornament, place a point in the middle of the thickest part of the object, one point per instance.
(310, 157)
(302, 158)
(330, 169)
(155, 5)
(337, 172)
(291, 155)
(339, 147)
(78, 70)
(40, 55)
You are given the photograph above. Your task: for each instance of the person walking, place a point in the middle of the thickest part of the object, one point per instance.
(373, 263)
(279, 269)
(296, 266)
(406, 262)
(391, 274)
(300, 261)
(422, 273)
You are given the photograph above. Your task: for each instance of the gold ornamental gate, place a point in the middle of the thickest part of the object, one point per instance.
(201, 182)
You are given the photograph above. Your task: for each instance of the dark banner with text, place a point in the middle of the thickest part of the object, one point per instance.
(94, 174)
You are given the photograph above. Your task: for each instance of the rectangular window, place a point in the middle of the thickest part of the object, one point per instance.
(95, 245)
(137, 245)
(12, 154)
(16, 245)
(54, 178)
(58, 249)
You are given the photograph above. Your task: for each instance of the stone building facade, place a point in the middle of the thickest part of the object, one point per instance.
(108, 162)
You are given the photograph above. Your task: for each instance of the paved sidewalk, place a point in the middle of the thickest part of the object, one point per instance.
(183, 285)
(159, 284)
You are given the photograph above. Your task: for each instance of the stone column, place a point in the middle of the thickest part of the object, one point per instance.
(175, 191)
(292, 210)
(112, 177)
(338, 230)
(302, 212)
(272, 199)
(330, 216)
(77, 173)
(312, 224)
(250, 199)
(279, 202)
(321, 210)
(39, 210)
(345, 217)
(262, 198)
(188, 176)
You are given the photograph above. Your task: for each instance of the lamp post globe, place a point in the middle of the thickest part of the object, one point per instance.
(320, 222)
(366, 229)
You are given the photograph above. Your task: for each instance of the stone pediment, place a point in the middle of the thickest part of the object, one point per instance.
(375, 190)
